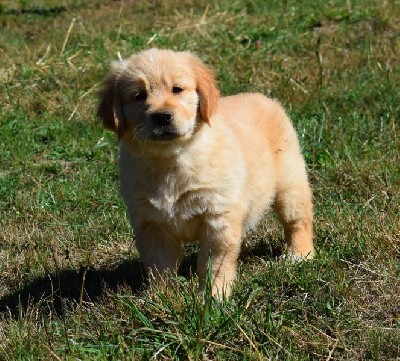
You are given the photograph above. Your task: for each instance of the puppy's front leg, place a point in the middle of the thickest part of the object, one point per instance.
(158, 250)
(220, 244)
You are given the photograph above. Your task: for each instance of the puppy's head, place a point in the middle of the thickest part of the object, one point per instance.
(158, 96)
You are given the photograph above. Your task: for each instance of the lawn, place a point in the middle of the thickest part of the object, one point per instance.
(71, 283)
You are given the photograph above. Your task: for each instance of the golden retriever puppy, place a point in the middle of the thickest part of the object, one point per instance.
(196, 167)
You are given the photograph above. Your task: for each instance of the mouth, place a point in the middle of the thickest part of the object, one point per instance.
(163, 134)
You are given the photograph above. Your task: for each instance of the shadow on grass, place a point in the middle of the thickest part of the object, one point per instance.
(260, 248)
(55, 290)
(40, 11)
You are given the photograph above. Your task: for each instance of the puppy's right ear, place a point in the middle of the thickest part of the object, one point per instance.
(109, 109)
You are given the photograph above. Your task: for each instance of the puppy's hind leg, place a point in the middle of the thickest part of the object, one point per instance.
(293, 205)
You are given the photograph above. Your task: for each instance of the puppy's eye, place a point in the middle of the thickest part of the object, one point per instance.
(141, 96)
(177, 90)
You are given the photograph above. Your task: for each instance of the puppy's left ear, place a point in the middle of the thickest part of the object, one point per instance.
(207, 90)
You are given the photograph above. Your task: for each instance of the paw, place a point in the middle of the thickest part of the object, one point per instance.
(294, 257)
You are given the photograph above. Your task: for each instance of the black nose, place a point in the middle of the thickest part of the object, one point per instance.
(163, 118)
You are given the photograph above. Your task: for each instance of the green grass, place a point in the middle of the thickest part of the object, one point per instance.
(71, 284)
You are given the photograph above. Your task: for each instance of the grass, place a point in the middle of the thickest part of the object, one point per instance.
(71, 285)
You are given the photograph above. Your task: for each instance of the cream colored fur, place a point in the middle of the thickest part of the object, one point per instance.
(229, 160)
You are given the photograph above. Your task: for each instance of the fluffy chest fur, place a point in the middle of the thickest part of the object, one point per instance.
(180, 190)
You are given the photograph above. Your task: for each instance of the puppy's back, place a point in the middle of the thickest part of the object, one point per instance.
(258, 119)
